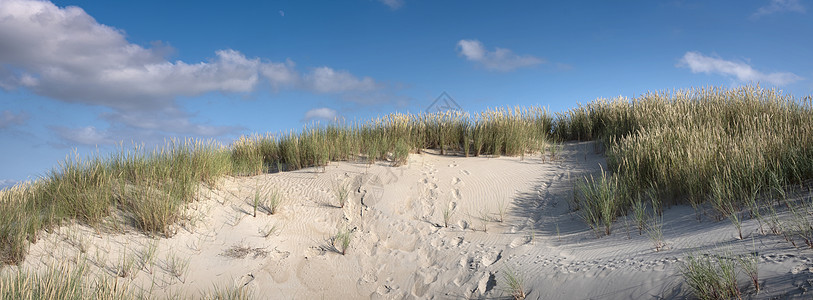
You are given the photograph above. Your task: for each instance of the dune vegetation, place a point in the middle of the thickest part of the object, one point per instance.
(728, 148)
(722, 146)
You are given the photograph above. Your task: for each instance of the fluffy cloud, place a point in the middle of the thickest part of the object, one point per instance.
(393, 4)
(699, 63)
(8, 118)
(175, 121)
(500, 59)
(89, 136)
(65, 54)
(280, 74)
(322, 113)
(327, 80)
(778, 6)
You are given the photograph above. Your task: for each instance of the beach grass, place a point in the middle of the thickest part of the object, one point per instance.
(61, 281)
(515, 284)
(723, 145)
(711, 276)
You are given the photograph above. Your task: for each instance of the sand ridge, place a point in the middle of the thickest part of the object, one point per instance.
(400, 247)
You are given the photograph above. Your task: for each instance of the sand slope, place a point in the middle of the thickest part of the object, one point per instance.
(400, 248)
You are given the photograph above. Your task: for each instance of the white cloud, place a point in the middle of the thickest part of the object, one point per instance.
(327, 80)
(8, 118)
(65, 54)
(500, 59)
(280, 74)
(699, 63)
(170, 121)
(322, 113)
(779, 6)
(393, 4)
(88, 136)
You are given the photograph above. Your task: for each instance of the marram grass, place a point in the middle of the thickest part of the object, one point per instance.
(147, 188)
(494, 132)
(699, 145)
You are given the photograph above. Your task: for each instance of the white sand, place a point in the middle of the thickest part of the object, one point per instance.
(401, 250)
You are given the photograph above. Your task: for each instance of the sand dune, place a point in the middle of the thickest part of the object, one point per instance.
(400, 248)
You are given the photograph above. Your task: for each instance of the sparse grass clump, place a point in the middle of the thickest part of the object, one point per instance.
(267, 200)
(341, 241)
(515, 284)
(750, 265)
(599, 201)
(502, 210)
(712, 277)
(176, 266)
(654, 231)
(447, 212)
(342, 192)
(715, 276)
(639, 214)
(146, 257)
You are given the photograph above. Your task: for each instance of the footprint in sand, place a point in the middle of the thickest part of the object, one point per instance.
(486, 283)
(422, 284)
(465, 172)
(452, 165)
(456, 194)
(519, 242)
(456, 180)
(491, 258)
(458, 241)
(463, 224)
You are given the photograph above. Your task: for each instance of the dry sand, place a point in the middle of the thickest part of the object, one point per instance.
(401, 250)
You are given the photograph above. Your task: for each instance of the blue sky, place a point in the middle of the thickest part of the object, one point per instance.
(79, 76)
